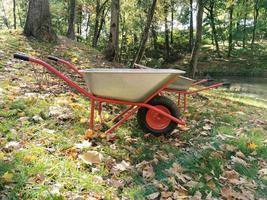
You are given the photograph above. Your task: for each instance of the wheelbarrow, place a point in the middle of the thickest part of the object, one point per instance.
(181, 86)
(139, 89)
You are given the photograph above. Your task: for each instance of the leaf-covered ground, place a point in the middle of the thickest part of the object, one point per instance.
(46, 151)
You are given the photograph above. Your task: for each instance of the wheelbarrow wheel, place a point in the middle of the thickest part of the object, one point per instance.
(152, 122)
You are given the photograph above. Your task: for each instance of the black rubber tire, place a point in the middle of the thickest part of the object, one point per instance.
(158, 100)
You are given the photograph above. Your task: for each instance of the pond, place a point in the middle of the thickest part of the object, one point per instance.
(247, 86)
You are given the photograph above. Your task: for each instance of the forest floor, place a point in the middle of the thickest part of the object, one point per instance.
(46, 150)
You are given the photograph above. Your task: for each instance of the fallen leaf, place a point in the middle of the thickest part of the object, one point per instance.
(84, 145)
(263, 173)
(227, 193)
(120, 167)
(29, 158)
(88, 134)
(7, 177)
(152, 196)
(197, 196)
(13, 145)
(238, 160)
(252, 146)
(240, 155)
(91, 157)
(207, 127)
(166, 194)
(72, 153)
(184, 128)
(148, 172)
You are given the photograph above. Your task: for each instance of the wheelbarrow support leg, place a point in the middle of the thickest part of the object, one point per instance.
(92, 114)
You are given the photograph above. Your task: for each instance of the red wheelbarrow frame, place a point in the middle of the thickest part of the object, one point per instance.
(181, 94)
(125, 115)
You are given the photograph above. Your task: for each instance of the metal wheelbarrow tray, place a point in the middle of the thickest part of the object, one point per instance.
(127, 84)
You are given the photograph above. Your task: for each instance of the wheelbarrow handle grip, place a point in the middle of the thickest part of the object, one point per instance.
(53, 58)
(21, 57)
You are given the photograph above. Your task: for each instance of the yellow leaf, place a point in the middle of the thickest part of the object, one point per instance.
(29, 158)
(7, 177)
(83, 120)
(2, 155)
(91, 157)
(88, 134)
(252, 146)
(74, 59)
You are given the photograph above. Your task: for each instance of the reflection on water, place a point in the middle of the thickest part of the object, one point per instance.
(252, 87)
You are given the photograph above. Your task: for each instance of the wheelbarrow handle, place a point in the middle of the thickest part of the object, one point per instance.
(21, 57)
(54, 71)
(53, 58)
(66, 63)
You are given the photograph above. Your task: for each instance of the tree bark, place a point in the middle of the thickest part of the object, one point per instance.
(112, 49)
(230, 38)
(38, 22)
(245, 23)
(14, 14)
(71, 27)
(191, 28)
(197, 45)
(167, 40)
(5, 19)
(255, 19)
(140, 53)
(172, 18)
(154, 36)
(213, 27)
(99, 21)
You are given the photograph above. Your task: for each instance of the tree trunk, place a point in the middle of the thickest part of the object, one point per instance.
(213, 27)
(14, 14)
(245, 23)
(79, 20)
(197, 45)
(255, 16)
(71, 28)
(5, 19)
(191, 28)
(230, 38)
(140, 53)
(100, 13)
(102, 22)
(167, 40)
(172, 13)
(154, 36)
(38, 22)
(97, 18)
(87, 25)
(112, 49)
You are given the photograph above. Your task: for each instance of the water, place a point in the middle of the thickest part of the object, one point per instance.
(246, 86)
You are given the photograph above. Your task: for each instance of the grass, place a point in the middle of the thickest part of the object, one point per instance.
(47, 167)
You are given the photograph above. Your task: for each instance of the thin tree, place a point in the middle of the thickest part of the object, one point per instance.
(167, 40)
(141, 50)
(38, 22)
(5, 19)
(191, 27)
(245, 22)
(14, 14)
(72, 16)
(255, 21)
(211, 17)
(112, 50)
(230, 37)
(100, 13)
(198, 41)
